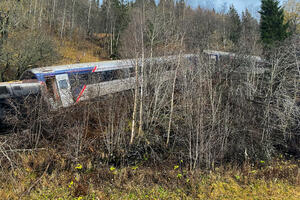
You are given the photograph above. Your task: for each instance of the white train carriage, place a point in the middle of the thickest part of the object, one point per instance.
(217, 55)
(15, 89)
(66, 85)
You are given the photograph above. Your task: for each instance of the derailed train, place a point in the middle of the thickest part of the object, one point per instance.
(66, 85)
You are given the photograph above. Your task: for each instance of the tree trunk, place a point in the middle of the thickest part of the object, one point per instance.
(41, 12)
(89, 17)
(142, 74)
(135, 102)
(73, 17)
(173, 94)
(53, 14)
(63, 21)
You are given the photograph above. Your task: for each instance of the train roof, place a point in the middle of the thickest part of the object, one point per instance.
(222, 53)
(97, 66)
(103, 65)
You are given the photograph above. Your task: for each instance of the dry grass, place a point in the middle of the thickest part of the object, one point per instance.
(47, 175)
(79, 51)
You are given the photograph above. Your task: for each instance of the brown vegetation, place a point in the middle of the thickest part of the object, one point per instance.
(236, 120)
(47, 174)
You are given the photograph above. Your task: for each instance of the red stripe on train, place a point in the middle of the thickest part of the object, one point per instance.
(84, 87)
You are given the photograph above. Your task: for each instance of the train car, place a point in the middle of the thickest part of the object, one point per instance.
(16, 90)
(218, 55)
(65, 85)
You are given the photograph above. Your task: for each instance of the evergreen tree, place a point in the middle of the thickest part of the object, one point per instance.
(272, 27)
(250, 32)
(234, 25)
(166, 3)
(247, 20)
(147, 3)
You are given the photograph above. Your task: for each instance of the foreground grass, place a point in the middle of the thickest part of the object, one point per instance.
(39, 180)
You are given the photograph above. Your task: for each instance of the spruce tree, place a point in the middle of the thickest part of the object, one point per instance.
(272, 27)
(250, 32)
(235, 25)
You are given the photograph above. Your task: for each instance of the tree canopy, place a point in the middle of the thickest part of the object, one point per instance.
(235, 25)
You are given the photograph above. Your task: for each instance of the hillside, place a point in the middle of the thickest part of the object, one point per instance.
(79, 51)
(192, 125)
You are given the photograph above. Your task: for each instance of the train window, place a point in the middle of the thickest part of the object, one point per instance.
(83, 78)
(126, 73)
(77, 82)
(131, 72)
(120, 74)
(17, 88)
(63, 84)
(72, 79)
(107, 75)
(104, 76)
(3, 90)
(78, 79)
(95, 77)
(117, 74)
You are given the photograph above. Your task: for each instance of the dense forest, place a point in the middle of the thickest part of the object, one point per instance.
(186, 134)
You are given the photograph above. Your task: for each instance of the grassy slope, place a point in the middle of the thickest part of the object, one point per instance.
(79, 51)
(39, 177)
(36, 177)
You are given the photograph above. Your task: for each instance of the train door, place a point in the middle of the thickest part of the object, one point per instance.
(64, 89)
(51, 92)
